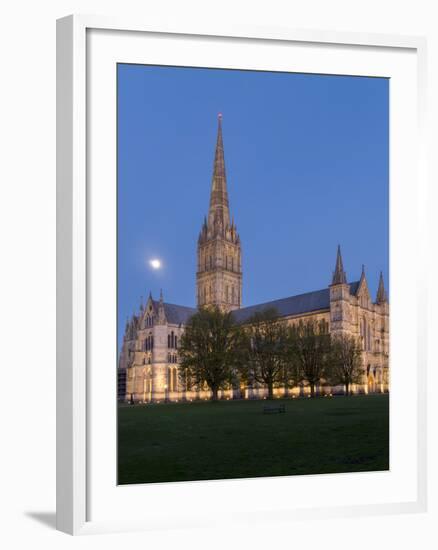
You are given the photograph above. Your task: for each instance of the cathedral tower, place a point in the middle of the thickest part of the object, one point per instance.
(219, 275)
(340, 315)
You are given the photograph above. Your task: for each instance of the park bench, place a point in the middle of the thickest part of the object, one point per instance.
(272, 409)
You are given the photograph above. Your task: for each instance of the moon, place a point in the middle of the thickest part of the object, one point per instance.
(155, 263)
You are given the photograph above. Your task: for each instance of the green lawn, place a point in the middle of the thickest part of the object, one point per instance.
(232, 439)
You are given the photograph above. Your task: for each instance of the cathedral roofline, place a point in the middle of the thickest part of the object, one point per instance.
(317, 300)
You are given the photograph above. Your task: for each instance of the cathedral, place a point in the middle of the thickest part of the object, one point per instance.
(148, 362)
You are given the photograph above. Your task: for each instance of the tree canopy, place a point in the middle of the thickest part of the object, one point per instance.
(265, 350)
(208, 350)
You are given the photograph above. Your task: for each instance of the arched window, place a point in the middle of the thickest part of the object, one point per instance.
(232, 263)
(168, 340)
(226, 294)
(362, 331)
(176, 342)
(174, 380)
(232, 294)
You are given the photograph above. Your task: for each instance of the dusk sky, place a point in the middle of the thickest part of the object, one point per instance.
(307, 168)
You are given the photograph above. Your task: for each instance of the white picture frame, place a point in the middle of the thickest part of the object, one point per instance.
(76, 407)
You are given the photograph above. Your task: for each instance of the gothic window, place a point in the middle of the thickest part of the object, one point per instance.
(168, 340)
(232, 263)
(211, 262)
(174, 380)
(226, 262)
(169, 358)
(226, 294)
(363, 332)
(232, 294)
(205, 294)
(176, 342)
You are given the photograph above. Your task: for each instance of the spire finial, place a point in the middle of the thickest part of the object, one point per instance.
(339, 276)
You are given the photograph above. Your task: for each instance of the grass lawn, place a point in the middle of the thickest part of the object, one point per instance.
(232, 439)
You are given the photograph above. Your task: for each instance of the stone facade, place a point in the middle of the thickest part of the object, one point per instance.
(149, 353)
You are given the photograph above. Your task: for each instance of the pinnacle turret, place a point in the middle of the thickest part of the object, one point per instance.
(339, 276)
(161, 310)
(381, 292)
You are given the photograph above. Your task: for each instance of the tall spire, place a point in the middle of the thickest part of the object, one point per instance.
(381, 292)
(339, 276)
(219, 212)
(219, 255)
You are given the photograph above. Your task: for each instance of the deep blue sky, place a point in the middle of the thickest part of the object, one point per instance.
(307, 168)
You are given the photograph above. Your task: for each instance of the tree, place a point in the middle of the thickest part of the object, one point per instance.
(264, 350)
(346, 361)
(310, 349)
(208, 349)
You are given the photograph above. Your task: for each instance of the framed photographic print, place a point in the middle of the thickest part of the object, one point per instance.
(240, 245)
